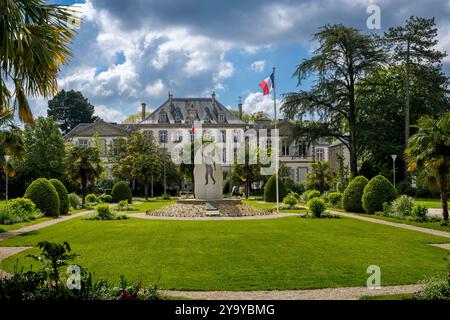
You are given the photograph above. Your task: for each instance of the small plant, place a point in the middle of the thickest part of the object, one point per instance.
(75, 201)
(316, 207)
(104, 212)
(123, 205)
(313, 194)
(335, 199)
(19, 210)
(92, 198)
(435, 288)
(106, 198)
(166, 196)
(420, 213)
(402, 206)
(291, 199)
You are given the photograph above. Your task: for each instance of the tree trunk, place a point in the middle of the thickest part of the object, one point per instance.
(83, 190)
(151, 194)
(407, 105)
(444, 197)
(248, 189)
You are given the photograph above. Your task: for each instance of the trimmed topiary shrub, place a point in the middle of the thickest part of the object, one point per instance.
(316, 207)
(74, 201)
(376, 192)
(351, 199)
(91, 198)
(270, 191)
(44, 196)
(64, 204)
(335, 199)
(121, 191)
(313, 194)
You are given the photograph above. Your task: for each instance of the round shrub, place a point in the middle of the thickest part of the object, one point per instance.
(376, 192)
(21, 206)
(121, 191)
(316, 207)
(313, 194)
(402, 206)
(91, 198)
(291, 199)
(106, 198)
(335, 199)
(104, 213)
(75, 201)
(44, 196)
(270, 191)
(351, 199)
(63, 196)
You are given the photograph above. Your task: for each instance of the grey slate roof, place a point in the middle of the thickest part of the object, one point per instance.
(207, 111)
(102, 128)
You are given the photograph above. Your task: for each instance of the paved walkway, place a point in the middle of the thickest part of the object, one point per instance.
(37, 226)
(394, 224)
(266, 216)
(348, 293)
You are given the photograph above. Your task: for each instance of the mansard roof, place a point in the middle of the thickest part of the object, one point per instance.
(178, 110)
(100, 127)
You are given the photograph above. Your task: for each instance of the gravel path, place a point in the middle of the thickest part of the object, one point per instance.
(37, 226)
(267, 216)
(394, 224)
(348, 293)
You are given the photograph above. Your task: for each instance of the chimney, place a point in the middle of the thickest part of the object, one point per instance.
(213, 96)
(170, 97)
(240, 108)
(143, 111)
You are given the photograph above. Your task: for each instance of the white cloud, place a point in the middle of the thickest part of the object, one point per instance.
(155, 89)
(256, 102)
(109, 114)
(258, 66)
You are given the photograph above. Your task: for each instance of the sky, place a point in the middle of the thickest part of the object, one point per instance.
(129, 52)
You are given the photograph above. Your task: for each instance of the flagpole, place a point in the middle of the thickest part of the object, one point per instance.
(278, 141)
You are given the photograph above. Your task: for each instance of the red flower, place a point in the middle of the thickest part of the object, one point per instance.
(125, 295)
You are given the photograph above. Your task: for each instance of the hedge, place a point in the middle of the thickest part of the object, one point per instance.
(376, 192)
(44, 195)
(351, 199)
(64, 204)
(270, 192)
(121, 191)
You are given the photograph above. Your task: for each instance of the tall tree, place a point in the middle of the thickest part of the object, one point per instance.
(413, 47)
(134, 118)
(69, 109)
(343, 57)
(429, 148)
(84, 165)
(34, 42)
(320, 174)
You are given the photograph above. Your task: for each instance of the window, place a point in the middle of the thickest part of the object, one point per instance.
(162, 117)
(221, 117)
(269, 143)
(320, 154)
(222, 136)
(236, 136)
(223, 155)
(284, 149)
(163, 136)
(207, 135)
(102, 145)
(302, 174)
(178, 136)
(83, 142)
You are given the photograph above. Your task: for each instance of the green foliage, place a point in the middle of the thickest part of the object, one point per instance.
(22, 205)
(321, 175)
(92, 198)
(121, 191)
(44, 196)
(123, 205)
(270, 192)
(70, 108)
(420, 213)
(166, 196)
(335, 199)
(377, 191)
(75, 201)
(351, 199)
(316, 207)
(106, 198)
(402, 206)
(312, 194)
(104, 213)
(291, 199)
(435, 288)
(19, 210)
(63, 196)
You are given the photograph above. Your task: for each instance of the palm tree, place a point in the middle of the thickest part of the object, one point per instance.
(84, 166)
(321, 174)
(34, 42)
(429, 149)
(11, 139)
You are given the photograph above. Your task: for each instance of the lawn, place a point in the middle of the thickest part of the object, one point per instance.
(283, 253)
(429, 203)
(431, 225)
(260, 204)
(151, 204)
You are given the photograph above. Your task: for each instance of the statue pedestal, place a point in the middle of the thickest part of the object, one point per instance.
(208, 182)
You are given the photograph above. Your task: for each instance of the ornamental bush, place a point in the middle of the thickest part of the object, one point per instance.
(351, 198)
(106, 198)
(313, 194)
(121, 191)
(335, 199)
(91, 198)
(316, 207)
(64, 204)
(291, 199)
(270, 192)
(44, 196)
(21, 205)
(75, 201)
(376, 192)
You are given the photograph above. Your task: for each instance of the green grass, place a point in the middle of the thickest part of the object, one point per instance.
(429, 203)
(260, 204)
(283, 253)
(399, 296)
(151, 204)
(2, 202)
(430, 225)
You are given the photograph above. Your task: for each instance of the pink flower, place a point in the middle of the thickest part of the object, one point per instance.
(125, 295)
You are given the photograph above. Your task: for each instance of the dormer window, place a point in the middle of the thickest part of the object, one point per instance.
(163, 117)
(221, 117)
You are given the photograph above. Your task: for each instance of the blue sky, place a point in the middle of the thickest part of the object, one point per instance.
(128, 52)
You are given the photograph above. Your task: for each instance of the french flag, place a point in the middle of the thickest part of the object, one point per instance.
(267, 84)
